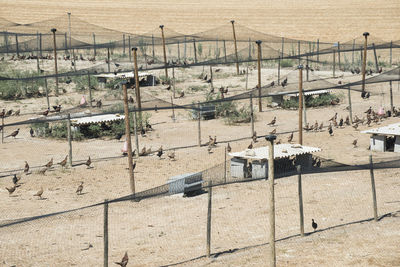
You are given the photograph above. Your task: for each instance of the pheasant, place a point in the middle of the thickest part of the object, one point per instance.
(272, 123)
(88, 162)
(64, 162)
(171, 155)
(39, 193)
(26, 168)
(250, 146)
(13, 134)
(228, 148)
(290, 138)
(80, 188)
(124, 261)
(11, 190)
(49, 164)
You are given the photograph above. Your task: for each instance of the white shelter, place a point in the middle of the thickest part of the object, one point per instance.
(386, 138)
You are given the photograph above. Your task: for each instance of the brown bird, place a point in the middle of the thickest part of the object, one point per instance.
(80, 188)
(333, 118)
(209, 149)
(228, 148)
(355, 143)
(26, 168)
(39, 193)
(250, 146)
(254, 137)
(11, 190)
(16, 113)
(171, 155)
(143, 152)
(49, 164)
(45, 113)
(43, 171)
(88, 162)
(321, 126)
(290, 138)
(124, 261)
(272, 123)
(13, 134)
(99, 103)
(279, 142)
(2, 113)
(273, 131)
(355, 126)
(64, 162)
(160, 152)
(182, 94)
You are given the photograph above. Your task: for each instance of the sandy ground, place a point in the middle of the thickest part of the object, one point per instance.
(172, 229)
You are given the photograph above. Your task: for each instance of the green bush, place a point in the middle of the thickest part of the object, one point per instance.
(311, 101)
(286, 63)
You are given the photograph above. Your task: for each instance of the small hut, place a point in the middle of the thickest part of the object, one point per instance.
(386, 138)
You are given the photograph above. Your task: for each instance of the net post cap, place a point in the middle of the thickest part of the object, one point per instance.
(300, 67)
(53, 29)
(366, 34)
(232, 21)
(258, 42)
(134, 49)
(270, 137)
(123, 82)
(161, 26)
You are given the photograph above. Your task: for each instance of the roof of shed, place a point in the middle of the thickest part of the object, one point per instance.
(392, 129)
(97, 119)
(280, 151)
(129, 74)
(316, 92)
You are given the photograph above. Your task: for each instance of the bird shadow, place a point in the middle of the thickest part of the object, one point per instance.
(43, 198)
(84, 193)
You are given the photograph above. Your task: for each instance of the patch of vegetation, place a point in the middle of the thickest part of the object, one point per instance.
(196, 88)
(312, 101)
(82, 82)
(287, 63)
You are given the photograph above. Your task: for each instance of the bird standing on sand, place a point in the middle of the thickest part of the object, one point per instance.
(39, 193)
(11, 190)
(272, 123)
(88, 162)
(314, 225)
(355, 143)
(64, 161)
(254, 137)
(250, 146)
(43, 171)
(228, 148)
(160, 152)
(13, 134)
(171, 155)
(31, 132)
(49, 164)
(124, 260)
(80, 188)
(26, 168)
(290, 138)
(330, 130)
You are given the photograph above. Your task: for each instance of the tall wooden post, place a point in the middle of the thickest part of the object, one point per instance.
(390, 53)
(307, 69)
(318, 50)
(6, 41)
(298, 51)
(94, 45)
(129, 49)
(338, 51)
(300, 67)
(251, 114)
(152, 44)
(195, 51)
(69, 31)
(173, 110)
(47, 93)
(350, 107)
(65, 43)
(108, 58)
(225, 167)
(352, 53)
(165, 53)
(209, 209)
(90, 90)
(179, 52)
(128, 137)
(226, 60)
(135, 132)
(283, 42)
(211, 78)
(198, 125)
(300, 193)
(391, 97)
(271, 175)
(279, 70)
(334, 64)
(364, 62)
(376, 58)
(105, 233)
(371, 169)
(137, 88)
(69, 136)
(173, 82)
(16, 44)
(259, 75)
(40, 44)
(123, 44)
(184, 48)
(55, 58)
(236, 52)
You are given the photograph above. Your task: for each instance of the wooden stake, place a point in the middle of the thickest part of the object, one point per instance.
(105, 233)
(94, 46)
(300, 193)
(69, 136)
(16, 44)
(129, 49)
(371, 169)
(137, 88)
(307, 68)
(55, 57)
(211, 77)
(251, 114)
(334, 63)
(300, 67)
(390, 51)
(123, 44)
(391, 97)
(173, 82)
(135, 132)
(165, 53)
(173, 110)
(259, 75)
(271, 175)
(279, 70)
(364, 60)
(350, 107)
(338, 51)
(209, 218)
(318, 50)
(298, 51)
(236, 52)
(128, 137)
(376, 58)
(40, 42)
(226, 60)
(90, 90)
(179, 53)
(352, 53)
(47, 93)
(283, 41)
(225, 167)
(195, 51)
(108, 59)
(198, 125)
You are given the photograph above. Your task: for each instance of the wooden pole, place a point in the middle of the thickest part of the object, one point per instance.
(90, 90)
(371, 169)
(226, 60)
(108, 59)
(184, 48)
(307, 69)
(300, 192)
(350, 107)
(137, 88)
(94, 45)
(251, 114)
(300, 67)
(105, 233)
(334, 64)
(338, 51)
(6, 41)
(135, 132)
(66, 43)
(209, 218)
(198, 125)
(69, 136)
(376, 59)
(173, 82)
(128, 137)
(304, 110)
(69, 31)
(173, 110)
(364, 60)
(40, 44)
(179, 53)
(283, 42)
(391, 97)
(195, 51)
(165, 53)
(352, 53)
(123, 44)
(55, 57)
(216, 50)
(47, 93)
(129, 49)
(390, 51)
(259, 75)
(152, 44)
(225, 167)
(318, 50)
(235, 43)
(298, 51)
(279, 70)
(211, 77)
(271, 211)
(16, 44)
(2, 129)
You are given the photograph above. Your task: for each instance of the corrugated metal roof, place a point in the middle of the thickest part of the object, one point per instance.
(280, 151)
(97, 119)
(129, 74)
(392, 129)
(317, 92)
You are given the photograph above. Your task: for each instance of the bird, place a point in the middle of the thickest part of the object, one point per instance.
(39, 193)
(26, 168)
(250, 146)
(143, 152)
(88, 162)
(334, 117)
(284, 83)
(254, 137)
(182, 94)
(131, 99)
(43, 171)
(15, 179)
(321, 126)
(355, 143)
(290, 138)
(272, 84)
(58, 108)
(31, 132)
(272, 123)
(13, 134)
(160, 152)
(64, 161)
(45, 113)
(118, 136)
(49, 164)
(9, 113)
(368, 110)
(171, 155)
(228, 148)
(99, 103)
(330, 130)
(133, 165)
(11, 190)
(142, 132)
(124, 261)
(341, 122)
(16, 113)
(116, 64)
(314, 225)
(355, 126)
(2, 113)
(273, 131)
(209, 149)
(80, 188)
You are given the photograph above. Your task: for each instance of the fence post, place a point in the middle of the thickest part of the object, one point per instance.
(123, 44)
(135, 131)
(173, 110)
(307, 68)
(364, 60)
(69, 136)
(247, 75)
(94, 45)
(298, 51)
(338, 51)
(391, 97)
(318, 50)
(279, 70)
(259, 75)
(108, 58)
(391, 46)
(195, 52)
(350, 107)
(90, 90)
(6, 41)
(152, 44)
(66, 43)
(226, 60)
(198, 125)
(300, 67)
(164, 51)
(300, 192)
(352, 53)
(173, 82)
(334, 64)
(137, 88)
(225, 167)
(55, 57)
(47, 92)
(251, 114)
(236, 52)
(376, 58)
(2, 129)
(184, 48)
(128, 137)
(209, 218)
(179, 53)
(16, 44)
(283, 41)
(105, 233)
(40, 44)
(129, 49)
(271, 139)
(211, 77)
(371, 170)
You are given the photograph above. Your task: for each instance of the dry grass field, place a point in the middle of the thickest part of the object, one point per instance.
(171, 230)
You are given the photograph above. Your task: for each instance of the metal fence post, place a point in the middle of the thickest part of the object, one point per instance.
(105, 233)
(300, 193)
(69, 139)
(209, 218)
(371, 170)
